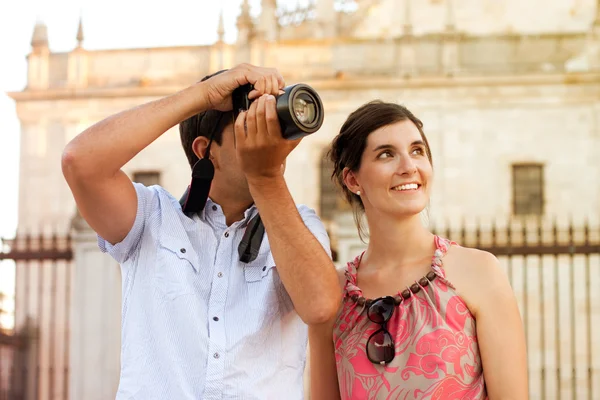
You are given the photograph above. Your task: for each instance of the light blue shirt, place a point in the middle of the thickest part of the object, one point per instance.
(196, 322)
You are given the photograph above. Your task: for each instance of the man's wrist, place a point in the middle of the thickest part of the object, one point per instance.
(266, 181)
(199, 92)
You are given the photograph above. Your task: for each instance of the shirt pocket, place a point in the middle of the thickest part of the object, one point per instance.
(263, 283)
(176, 267)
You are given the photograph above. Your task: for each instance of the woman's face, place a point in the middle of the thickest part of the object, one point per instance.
(395, 174)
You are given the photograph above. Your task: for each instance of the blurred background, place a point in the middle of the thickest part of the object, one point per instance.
(508, 90)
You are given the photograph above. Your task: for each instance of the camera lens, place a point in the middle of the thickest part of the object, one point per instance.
(304, 109)
(300, 111)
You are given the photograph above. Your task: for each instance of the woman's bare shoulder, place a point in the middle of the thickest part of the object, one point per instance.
(472, 261)
(475, 274)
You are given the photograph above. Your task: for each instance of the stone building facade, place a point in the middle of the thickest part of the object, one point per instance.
(510, 103)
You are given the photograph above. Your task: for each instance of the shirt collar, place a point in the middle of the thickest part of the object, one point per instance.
(214, 212)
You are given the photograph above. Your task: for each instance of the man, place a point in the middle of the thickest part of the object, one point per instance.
(198, 323)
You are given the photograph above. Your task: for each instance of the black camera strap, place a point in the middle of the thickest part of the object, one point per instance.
(249, 246)
(252, 239)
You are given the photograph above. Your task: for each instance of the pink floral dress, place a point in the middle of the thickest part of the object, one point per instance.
(436, 350)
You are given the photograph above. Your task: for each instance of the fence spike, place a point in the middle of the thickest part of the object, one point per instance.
(554, 232)
(447, 233)
(540, 239)
(477, 232)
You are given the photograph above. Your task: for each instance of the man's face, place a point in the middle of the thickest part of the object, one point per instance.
(229, 176)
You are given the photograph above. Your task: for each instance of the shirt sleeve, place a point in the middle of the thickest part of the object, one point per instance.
(147, 204)
(315, 225)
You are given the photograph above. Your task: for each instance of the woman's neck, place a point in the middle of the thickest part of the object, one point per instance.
(395, 243)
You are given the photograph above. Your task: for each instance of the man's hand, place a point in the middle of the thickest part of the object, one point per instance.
(219, 87)
(260, 147)
(299, 244)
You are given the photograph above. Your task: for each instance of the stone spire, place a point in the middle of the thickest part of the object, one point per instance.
(39, 40)
(326, 18)
(245, 24)
(221, 28)
(244, 20)
(79, 36)
(38, 61)
(268, 24)
(78, 61)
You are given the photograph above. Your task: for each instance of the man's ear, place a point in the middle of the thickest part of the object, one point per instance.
(199, 146)
(350, 180)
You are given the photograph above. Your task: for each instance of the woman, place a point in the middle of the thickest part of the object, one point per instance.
(422, 317)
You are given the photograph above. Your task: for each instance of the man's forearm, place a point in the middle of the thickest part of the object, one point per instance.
(103, 148)
(306, 270)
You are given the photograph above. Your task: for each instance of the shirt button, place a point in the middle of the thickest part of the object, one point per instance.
(214, 208)
(182, 250)
(215, 318)
(220, 274)
(226, 234)
(216, 355)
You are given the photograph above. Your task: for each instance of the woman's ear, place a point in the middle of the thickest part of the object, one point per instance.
(350, 180)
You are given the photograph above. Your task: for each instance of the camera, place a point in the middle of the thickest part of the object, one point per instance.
(299, 109)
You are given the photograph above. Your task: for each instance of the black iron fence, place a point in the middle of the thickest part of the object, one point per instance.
(34, 351)
(554, 271)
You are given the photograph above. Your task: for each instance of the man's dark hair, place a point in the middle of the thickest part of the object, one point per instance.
(208, 123)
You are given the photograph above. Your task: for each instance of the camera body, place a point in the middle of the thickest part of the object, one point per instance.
(299, 109)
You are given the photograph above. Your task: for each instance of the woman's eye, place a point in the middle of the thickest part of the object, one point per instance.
(419, 151)
(385, 154)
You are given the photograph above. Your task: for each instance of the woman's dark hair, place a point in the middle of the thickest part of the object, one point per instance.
(348, 146)
(207, 123)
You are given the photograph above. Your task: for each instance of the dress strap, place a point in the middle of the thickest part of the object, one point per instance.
(441, 248)
(351, 271)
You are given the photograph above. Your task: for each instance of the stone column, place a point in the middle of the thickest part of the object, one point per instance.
(77, 68)
(38, 70)
(450, 56)
(407, 59)
(407, 63)
(95, 322)
(450, 53)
